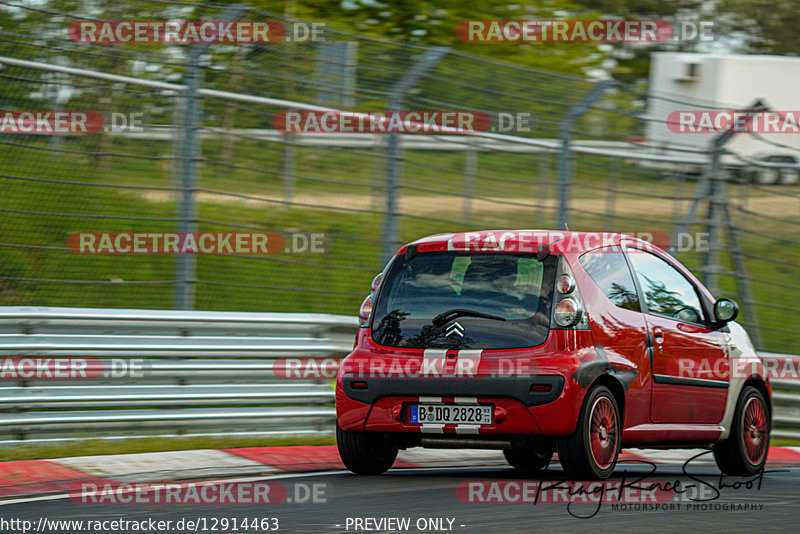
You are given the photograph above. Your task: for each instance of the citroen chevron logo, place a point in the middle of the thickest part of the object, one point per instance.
(455, 328)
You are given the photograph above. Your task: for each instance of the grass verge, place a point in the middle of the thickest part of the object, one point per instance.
(95, 447)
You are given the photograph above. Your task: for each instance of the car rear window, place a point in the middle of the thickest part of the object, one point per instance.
(516, 288)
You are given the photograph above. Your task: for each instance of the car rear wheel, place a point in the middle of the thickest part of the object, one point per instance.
(529, 457)
(592, 451)
(745, 451)
(365, 453)
(766, 175)
(789, 176)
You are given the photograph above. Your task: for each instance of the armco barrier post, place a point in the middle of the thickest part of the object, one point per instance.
(394, 162)
(565, 159)
(713, 188)
(189, 155)
(470, 170)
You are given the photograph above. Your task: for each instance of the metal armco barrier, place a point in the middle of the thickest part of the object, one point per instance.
(785, 394)
(148, 373)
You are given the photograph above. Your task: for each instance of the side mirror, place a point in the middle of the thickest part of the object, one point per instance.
(725, 310)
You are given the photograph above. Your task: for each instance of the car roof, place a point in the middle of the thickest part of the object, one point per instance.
(521, 240)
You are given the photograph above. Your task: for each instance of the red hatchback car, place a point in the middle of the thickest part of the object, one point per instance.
(536, 341)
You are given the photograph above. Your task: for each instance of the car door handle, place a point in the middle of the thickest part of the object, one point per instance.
(691, 329)
(658, 335)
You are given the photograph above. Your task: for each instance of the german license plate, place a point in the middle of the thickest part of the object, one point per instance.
(451, 414)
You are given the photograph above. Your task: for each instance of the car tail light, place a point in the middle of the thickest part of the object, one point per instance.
(366, 306)
(567, 313)
(568, 310)
(366, 310)
(376, 282)
(565, 284)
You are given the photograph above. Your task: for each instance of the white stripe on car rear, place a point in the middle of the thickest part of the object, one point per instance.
(434, 365)
(433, 362)
(468, 362)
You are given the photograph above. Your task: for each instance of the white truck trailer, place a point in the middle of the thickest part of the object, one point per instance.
(687, 82)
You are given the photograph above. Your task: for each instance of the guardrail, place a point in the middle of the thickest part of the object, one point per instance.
(149, 373)
(785, 395)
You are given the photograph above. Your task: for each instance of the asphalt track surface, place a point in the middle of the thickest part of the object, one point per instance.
(421, 493)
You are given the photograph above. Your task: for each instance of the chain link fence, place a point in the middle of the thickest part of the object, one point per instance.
(208, 158)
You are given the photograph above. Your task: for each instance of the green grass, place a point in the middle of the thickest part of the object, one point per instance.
(308, 282)
(97, 447)
(782, 442)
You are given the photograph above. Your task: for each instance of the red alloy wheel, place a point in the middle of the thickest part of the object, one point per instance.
(754, 430)
(603, 434)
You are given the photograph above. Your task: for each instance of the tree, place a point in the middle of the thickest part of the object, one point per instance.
(766, 26)
(433, 22)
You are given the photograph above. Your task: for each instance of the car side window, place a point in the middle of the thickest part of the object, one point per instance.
(666, 291)
(609, 270)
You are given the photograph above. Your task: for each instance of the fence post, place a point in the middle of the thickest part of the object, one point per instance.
(394, 162)
(711, 261)
(378, 169)
(470, 170)
(289, 167)
(743, 277)
(719, 217)
(611, 199)
(679, 189)
(543, 187)
(565, 159)
(189, 151)
(186, 270)
(713, 187)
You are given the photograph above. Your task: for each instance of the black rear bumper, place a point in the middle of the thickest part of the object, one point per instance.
(509, 387)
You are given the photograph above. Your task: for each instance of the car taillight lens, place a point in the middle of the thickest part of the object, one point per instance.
(366, 309)
(565, 284)
(567, 313)
(377, 281)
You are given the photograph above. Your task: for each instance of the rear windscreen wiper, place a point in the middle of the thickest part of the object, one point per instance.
(442, 318)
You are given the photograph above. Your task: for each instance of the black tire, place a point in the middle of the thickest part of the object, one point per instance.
(766, 175)
(745, 451)
(365, 453)
(529, 457)
(591, 451)
(789, 176)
